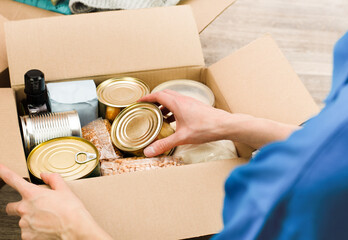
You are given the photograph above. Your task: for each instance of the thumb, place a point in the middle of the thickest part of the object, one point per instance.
(161, 146)
(54, 180)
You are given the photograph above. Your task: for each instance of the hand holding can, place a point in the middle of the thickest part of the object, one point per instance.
(196, 122)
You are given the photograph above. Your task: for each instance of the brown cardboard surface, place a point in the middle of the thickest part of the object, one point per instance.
(17, 11)
(205, 11)
(258, 80)
(3, 55)
(12, 153)
(172, 203)
(137, 40)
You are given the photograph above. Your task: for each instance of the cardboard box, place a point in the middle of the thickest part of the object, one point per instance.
(154, 45)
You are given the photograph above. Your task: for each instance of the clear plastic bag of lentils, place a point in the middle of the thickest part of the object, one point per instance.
(98, 133)
(126, 165)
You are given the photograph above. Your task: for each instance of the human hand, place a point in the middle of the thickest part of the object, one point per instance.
(54, 213)
(196, 122)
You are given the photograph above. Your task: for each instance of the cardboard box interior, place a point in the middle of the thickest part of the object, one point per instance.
(173, 203)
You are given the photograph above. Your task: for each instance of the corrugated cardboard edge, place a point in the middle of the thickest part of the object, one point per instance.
(12, 153)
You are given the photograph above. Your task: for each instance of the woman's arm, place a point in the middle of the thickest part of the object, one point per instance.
(199, 123)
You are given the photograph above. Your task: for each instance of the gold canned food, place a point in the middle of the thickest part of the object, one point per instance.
(117, 93)
(72, 157)
(137, 126)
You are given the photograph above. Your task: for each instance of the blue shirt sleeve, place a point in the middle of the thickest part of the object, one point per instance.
(297, 188)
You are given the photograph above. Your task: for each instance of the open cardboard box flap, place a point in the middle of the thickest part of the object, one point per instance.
(103, 43)
(205, 11)
(258, 80)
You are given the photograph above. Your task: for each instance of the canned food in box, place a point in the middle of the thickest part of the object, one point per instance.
(137, 126)
(43, 127)
(117, 93)
(72, 157)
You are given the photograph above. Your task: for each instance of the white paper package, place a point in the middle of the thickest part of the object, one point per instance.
(75, 95)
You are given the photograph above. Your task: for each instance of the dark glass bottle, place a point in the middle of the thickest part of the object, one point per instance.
(35, 89)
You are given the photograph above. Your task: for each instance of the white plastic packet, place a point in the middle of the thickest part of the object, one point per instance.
(76, 95)
(206, 152)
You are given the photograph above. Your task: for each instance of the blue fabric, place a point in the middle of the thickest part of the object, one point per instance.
(62, 7)
(297, 188)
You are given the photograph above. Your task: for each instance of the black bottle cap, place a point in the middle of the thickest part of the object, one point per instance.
(34, 82)
(35, 88)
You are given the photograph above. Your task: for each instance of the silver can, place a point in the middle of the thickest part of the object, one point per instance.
(44, 127)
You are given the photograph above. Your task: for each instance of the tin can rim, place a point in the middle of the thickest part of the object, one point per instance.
(58, 139)
(164, 85)
(105, 83)
(149, 140)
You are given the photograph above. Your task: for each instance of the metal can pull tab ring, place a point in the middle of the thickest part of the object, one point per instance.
(89, 157)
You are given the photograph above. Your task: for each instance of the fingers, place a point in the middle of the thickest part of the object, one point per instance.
(13, 180)
(23, 223)
(161, 146)
(12, 209)
(165, 98)
(54, 180)
(28, 234)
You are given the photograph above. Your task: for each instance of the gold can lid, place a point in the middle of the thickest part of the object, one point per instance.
(121, 92)
(136, 126)
(64, 155)
(190, 88)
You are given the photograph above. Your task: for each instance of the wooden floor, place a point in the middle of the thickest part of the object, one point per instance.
(305, 30)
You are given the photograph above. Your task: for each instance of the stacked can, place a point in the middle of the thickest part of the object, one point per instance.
(72, 157)
(40, 128)
(117, 93)
(137, 126)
